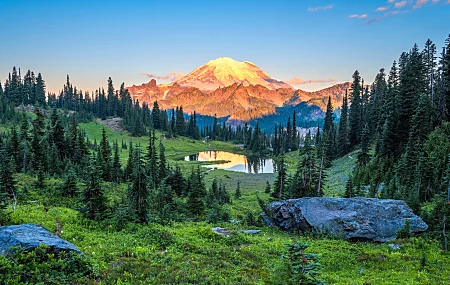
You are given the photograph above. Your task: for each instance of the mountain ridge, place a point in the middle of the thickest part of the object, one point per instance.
(240, 90)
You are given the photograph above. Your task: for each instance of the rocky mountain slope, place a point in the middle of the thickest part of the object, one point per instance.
(240, 90)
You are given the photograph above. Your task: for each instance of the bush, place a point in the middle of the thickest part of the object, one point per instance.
(44, 266)
(405, 231)
(218, 214)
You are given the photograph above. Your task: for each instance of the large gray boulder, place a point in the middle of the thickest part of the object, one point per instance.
(364, 219)
(29, 236)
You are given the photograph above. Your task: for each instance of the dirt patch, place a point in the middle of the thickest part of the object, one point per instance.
(114, 124)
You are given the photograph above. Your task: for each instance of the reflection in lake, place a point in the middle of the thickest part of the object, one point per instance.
(234, 162)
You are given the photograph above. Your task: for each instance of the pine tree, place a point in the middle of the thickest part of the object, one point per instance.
(343, 140)
(280, 182)
(130, 163)
(156, 117)
(40, 90)
(94, 199)
(177, 182)
(180, 124)
(355, 118)
(139, 191)
(116, 166)
(349, 192)
(105, 157)
(195, 204)
(237, 193)
(363, 156)
(56, 134)
(162, 161)
(268, 187)
(7, 182)
(69, 187)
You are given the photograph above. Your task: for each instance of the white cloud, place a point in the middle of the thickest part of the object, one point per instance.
(315, 9)
(400, 4)
(382, 8)
(298, 81)
(420, 3)
(172, 76)
(356, 16)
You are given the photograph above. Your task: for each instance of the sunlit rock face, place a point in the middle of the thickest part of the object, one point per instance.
(238, 90)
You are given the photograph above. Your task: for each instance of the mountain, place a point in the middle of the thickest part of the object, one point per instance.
(225, 71)
(227, 88)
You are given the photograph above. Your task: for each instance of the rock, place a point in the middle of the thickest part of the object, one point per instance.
(394, 246)
(221, 231)
(29, 236)
(365, 219)
(251, 232)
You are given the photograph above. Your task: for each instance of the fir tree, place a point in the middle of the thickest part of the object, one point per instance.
(363, 156)
(156, 117)
(268, 187)
(355, 118)
(237, 193)
(94, 199)
(116, 166)
(139, 190)
(195, 204)
(349, 192)
(343, 140)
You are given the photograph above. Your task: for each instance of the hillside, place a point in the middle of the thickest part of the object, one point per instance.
(191, 253)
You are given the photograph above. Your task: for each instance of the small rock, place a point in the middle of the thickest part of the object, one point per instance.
(394, 246)
(221, 231)
(252, 231)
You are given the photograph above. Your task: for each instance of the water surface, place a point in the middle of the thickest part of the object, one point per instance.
(234, 162)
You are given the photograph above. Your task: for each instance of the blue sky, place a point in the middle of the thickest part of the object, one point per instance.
(309, 40)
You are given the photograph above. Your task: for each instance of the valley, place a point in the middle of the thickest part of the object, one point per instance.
(190, 253)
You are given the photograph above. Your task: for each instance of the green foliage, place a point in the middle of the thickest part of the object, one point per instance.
(303, 266)
(405, 232)
(43, 266)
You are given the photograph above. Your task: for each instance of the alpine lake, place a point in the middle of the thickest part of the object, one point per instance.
(234, 162)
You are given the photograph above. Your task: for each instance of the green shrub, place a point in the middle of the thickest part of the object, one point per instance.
(405, 231)
(44, 266)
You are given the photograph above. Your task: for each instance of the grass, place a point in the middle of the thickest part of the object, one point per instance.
(338, 174)
(190, 253)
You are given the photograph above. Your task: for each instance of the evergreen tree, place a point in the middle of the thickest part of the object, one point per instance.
(195, 204)
(268, 187)
(116, 166)
(162, 161)
(105, 157)
(177, 182)
(237, 193)
(139, 191)
(280, 182)
(349, 192)
(363, 156)
(130, 163)
(69, 187)
(180, 124)
(7, 182)
(156, 117)
(94, 199)
(355, 118)
(343, 140)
